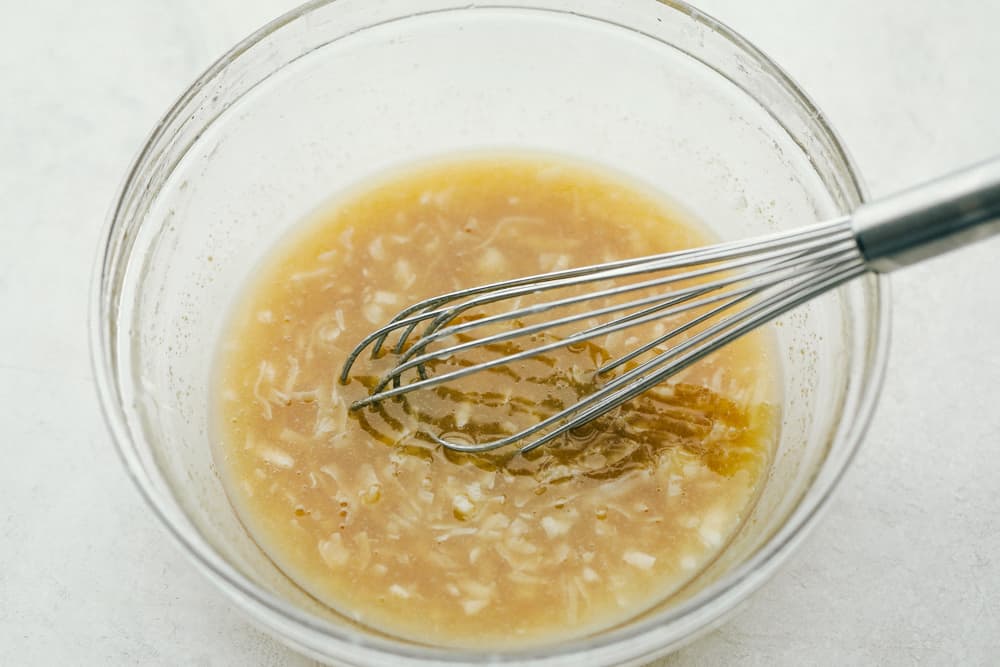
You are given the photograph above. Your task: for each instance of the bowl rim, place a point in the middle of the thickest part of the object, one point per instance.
(722, 594)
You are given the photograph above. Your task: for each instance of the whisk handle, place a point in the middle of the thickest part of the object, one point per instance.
(927, 220)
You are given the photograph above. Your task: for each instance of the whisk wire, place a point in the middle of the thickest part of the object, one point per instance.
(750, 282)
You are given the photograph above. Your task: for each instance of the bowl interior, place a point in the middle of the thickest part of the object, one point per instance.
(338, 91)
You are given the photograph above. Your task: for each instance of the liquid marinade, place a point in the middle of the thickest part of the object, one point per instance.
(362, 510)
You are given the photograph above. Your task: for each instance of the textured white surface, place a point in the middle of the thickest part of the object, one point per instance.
(903, 569)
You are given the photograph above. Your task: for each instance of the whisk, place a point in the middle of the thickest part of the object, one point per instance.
(729, 289)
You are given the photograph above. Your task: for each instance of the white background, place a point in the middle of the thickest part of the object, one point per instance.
(904, 568)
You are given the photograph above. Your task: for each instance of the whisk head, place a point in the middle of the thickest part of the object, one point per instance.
(708, 296)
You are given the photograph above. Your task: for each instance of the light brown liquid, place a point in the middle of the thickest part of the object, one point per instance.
(367, 514)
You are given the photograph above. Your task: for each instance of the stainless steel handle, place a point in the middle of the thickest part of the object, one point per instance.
(930, 219)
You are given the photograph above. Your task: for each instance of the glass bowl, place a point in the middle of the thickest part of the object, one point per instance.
(337, 90)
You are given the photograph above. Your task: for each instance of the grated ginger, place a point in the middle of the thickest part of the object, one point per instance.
(366, 513)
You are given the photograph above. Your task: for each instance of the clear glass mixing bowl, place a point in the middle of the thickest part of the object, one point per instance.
(337, 90)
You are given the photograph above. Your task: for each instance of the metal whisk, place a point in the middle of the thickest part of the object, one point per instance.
(730, 289)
